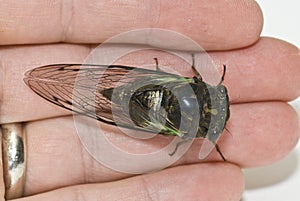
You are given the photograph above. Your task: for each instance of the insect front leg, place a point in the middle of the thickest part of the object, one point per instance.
(187, 140)
(179, 144)
(220, 153)
(223, 76)
(156, 64)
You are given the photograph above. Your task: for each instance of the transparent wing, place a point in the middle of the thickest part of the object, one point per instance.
(78, 87)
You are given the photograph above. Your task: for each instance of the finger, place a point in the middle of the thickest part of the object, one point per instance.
(212, 24)
(267, 71)
(2, 185)
(12, 88)
(261, 133)
(215, 181)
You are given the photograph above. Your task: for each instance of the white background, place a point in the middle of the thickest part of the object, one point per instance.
(280, 181)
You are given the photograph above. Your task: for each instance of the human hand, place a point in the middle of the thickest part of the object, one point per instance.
(260, 79)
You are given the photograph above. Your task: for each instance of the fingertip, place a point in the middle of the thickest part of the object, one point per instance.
(263, 133)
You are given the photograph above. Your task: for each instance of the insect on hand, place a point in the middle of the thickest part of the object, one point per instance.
(160, 104)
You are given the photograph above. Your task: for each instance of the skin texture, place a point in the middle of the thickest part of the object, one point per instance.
(262, 74)
(95, 21)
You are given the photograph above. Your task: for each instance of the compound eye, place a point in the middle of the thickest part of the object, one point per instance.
(222, 92)
(222, 89)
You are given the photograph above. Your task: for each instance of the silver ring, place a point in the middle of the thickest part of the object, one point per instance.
(14, 159)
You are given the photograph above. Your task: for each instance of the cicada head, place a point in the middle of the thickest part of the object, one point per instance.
(215, 113)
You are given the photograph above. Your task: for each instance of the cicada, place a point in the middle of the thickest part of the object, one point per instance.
(141, 99)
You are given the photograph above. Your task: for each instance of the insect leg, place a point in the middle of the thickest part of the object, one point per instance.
(156, 64)
(219, 151)
(223, 76)
(198, 76)
(177, 145)
(184, 141)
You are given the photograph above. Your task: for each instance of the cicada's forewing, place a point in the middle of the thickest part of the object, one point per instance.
(55, 83)
(79, 88)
